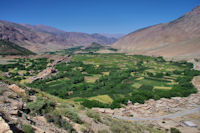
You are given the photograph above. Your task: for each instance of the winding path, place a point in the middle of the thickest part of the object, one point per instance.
(46, 72)
(178, 114)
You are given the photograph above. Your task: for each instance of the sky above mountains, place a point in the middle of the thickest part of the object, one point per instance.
(95, 16)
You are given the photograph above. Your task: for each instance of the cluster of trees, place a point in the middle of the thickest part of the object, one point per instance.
(36, 64)
(6, 67)
(182, 63)
(24, 64)
(94, 103)
(157, 75)
(89, 68)
(159, 59)
(113, 49)
(66, 51)
(182, 89)
(117, 82)
(94, 47)
(145, 92)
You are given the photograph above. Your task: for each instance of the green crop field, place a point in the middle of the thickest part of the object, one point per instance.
(20, 69)
(110, 80)
(106, 80)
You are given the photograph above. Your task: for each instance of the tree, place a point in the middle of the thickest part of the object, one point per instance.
(138, 98)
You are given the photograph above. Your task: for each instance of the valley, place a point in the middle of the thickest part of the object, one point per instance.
(92, 67)
(81, 83)
(136, 76)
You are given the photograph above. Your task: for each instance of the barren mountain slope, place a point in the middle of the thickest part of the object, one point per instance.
(180, 37)
(42, 38)
(9, 48)
(44, 28)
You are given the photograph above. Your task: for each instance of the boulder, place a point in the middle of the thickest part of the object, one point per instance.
(13, 112)
(17, 89)
(4, 128)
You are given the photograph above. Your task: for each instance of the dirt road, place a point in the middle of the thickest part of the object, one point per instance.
(178, 114)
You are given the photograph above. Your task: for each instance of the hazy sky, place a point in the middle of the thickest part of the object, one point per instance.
(95, 16)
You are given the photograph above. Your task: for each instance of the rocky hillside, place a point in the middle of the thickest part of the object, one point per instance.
(40, 38)
(180, 37)
(9, 48)
(44, 28)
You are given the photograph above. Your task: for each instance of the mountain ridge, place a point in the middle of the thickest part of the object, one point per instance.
(42, 38)
(9, 48)
(176, 38)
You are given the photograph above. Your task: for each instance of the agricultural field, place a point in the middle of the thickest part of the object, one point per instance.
(110, 80)
(7, 61)
(86, 80)
(92, 48)
(20, 69)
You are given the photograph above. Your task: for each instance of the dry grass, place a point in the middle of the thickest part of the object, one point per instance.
(106, 73)
(140, 78)
(6, 61)
(136, 85)
(92, 79)
(23, 81)
(102, 98)
(162, 87)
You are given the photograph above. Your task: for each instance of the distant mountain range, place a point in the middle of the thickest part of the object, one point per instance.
(118, 36)
(178, 38)
(41, 38)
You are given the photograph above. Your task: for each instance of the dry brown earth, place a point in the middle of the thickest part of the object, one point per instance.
(178, 38)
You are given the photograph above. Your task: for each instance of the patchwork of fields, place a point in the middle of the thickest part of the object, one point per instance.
(19, 70)
(110, 80)
(106, 80)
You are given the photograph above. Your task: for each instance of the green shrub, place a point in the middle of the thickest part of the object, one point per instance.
(138, 98)
(2, 90)
(174, 130)
(103, 131)
(28, 129)
(60, 122)
(95, 115)
(94, 103)
(146, 87)
(40, 106)
(121, 127)
(72, 115)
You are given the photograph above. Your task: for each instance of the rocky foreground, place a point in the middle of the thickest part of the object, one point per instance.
(12, 116)
(4, 126)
